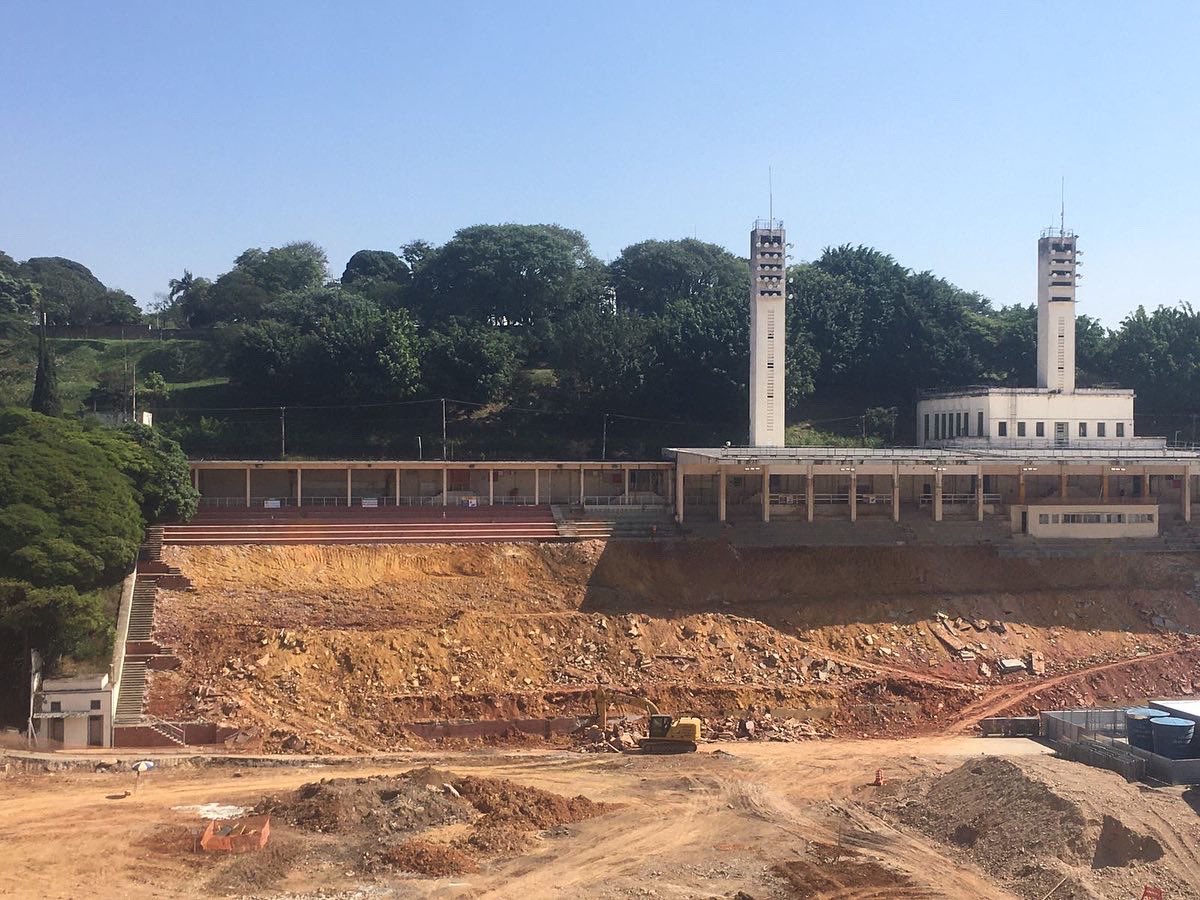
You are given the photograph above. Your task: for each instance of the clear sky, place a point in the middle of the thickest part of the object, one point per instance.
(143, 138)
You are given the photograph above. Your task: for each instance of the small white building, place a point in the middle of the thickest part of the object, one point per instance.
(1053, 414)
(74, 711)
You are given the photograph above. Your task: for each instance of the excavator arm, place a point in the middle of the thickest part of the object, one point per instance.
(605, 698)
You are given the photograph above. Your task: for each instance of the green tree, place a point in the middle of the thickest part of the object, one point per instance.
(509, 275)
(46, 399)
(153, 390)
(331, 345)
(647, 276)
(258, 278)
(188, 299)
(74, 296)
(465, 360)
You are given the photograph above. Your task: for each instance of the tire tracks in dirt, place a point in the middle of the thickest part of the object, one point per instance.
(995, 702)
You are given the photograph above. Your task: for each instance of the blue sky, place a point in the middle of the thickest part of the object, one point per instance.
(143, 138)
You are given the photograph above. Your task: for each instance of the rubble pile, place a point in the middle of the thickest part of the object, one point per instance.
(414, 822)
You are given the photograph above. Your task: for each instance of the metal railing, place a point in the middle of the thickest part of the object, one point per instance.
(634, 499)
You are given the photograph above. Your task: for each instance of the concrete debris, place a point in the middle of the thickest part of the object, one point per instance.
(1009, 665)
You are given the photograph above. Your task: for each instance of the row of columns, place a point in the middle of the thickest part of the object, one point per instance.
(537, 485)
(937, 504)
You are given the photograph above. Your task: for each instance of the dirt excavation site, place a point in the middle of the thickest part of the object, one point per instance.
(413, 720)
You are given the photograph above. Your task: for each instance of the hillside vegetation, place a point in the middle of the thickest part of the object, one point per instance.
(74, 502)
(540, 348)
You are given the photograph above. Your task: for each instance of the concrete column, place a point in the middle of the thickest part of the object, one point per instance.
(299, 487)
(853, 497)
(809, 498)
(196, 479)
(627, 483)
(721, 494)
(979, 494)
(679, 493)
(1104, 476)
(937, 496)
(766, 493)
(247, 487)
(895, 493)
(491, 487)
(349, 487)
(1021, 488)
(445, 486)
(581, 485)
(537, 488)
(1187, 495)
(1062, 483)
(396, 486)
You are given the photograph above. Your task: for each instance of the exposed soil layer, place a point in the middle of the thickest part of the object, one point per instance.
(337, 648)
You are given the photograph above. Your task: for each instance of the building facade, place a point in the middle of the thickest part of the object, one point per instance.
(1053, 414)
(74, 711)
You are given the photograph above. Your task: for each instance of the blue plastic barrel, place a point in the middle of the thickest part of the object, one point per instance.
(1172, 736)
(1137, 726)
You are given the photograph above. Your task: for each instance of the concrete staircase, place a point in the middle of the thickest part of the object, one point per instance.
(133, 693)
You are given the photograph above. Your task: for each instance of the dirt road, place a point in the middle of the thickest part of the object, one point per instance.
(702, 825)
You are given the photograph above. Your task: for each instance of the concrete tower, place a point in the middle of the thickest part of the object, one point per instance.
(768, 290)
(1056, 311)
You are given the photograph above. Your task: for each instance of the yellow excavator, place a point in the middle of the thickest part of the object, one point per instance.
(668, 734)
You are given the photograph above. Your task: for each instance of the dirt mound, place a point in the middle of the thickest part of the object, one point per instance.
(503, 801)
(1022, 832)
(383, 804)
(429, 858)
(447, 823)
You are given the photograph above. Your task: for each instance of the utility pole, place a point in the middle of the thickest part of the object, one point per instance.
(420, 449)
(282, 433)
(443, 428)
(604, 439)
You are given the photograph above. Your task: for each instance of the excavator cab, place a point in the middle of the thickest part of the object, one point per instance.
(659, 726)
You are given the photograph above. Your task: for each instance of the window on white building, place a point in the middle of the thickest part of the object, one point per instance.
(1020, 429)
(1040, 429)
(926, 426)
(1120, 429)
(1083, 429)
(1002, 429)
(979, 422)
(1100, 430)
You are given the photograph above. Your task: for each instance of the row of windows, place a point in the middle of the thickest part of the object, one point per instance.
(954, 424)
(1039, 429)
(1095, 518)
(939, 426)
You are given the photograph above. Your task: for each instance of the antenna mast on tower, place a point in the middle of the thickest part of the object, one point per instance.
(1062, 208)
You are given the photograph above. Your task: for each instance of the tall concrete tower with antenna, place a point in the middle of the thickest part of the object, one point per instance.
(1056, 273)
(768, 296)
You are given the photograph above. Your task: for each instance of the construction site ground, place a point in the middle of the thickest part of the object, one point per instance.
(812, 668)
(342, 649)
(740, 820)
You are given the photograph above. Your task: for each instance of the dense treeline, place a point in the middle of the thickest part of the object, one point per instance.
(74, 501)
(516, 317)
